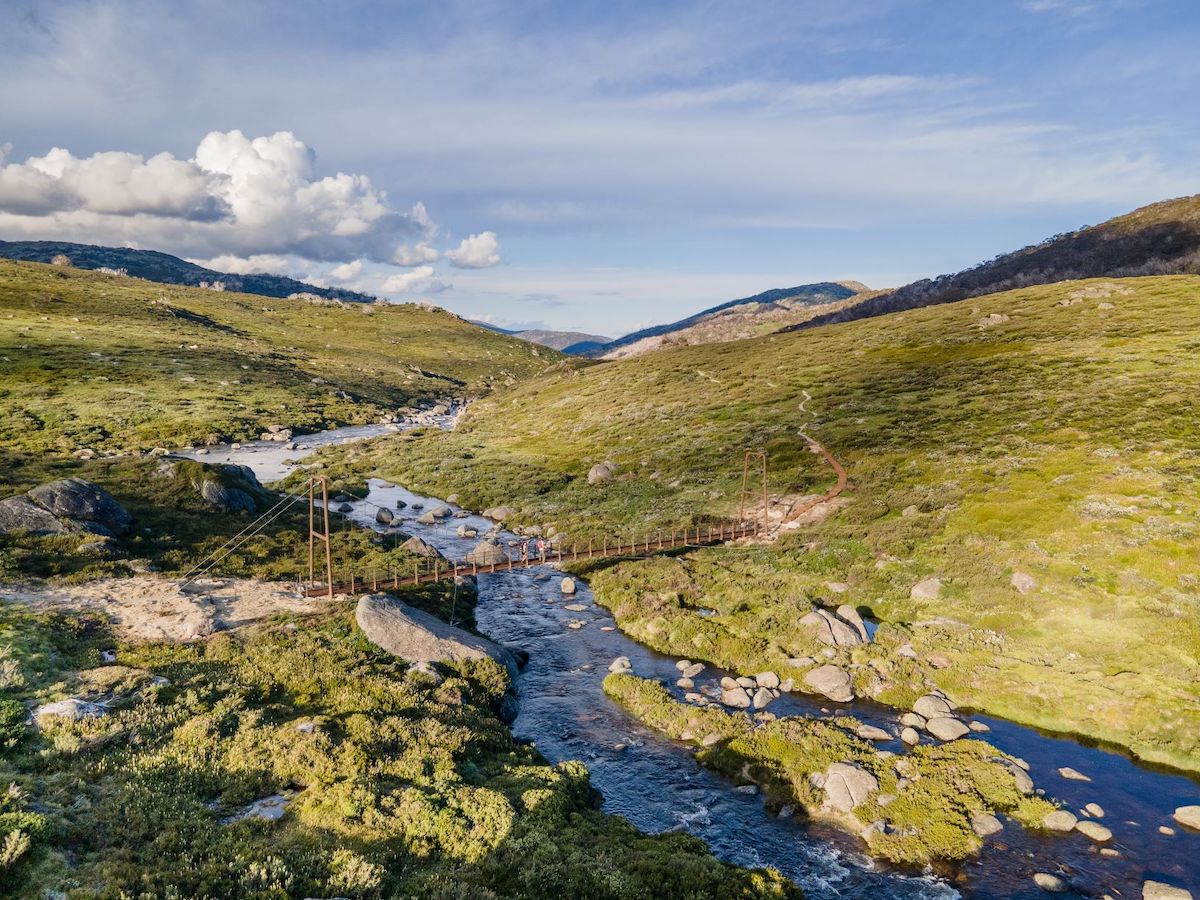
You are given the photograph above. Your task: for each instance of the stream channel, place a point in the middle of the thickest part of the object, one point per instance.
(657, 784)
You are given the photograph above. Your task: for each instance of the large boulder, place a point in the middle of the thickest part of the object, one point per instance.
(420, 548)
(1060, 820)
(831, 681)
(932, 706)
(70, 504)
(418, 637)
(228, 488)
(829, 629)
(226, 499)
(847, 785)
(945, 728)
(497, 513)
(487, 553)
(849, 614)
(22, 514)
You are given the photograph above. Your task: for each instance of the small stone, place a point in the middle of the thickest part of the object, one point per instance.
(909, 511)
(767, 680)
(985, 824)
(1072, 775)
(621, 665)
(1095, 810)
(1157, 890)
(910, 736)
(945, 728)
(926, 589)
(567, 586)
(1188, 816)
(762, 697)
(1060, 820)
(685, 683)
(1093, 830)
(872, 733)
(736, 698)
(912, 720)
(1022, 582)
(978, 727)
(1166, 829)
(1050, 883)
(938, 660)
(1109, 852)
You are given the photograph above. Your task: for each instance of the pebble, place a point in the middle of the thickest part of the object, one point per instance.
(1050, 883)
(1095, 810)
(979, 727)
(1060, 820)
(1072, 775)
(1094, 830)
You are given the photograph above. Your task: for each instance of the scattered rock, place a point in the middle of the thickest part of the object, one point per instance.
(909, 511)
(985, 824)
(567, 586)
(486, 553)
(912, 720)
(979, 727)
(1188, 816)
(419, 547)
(1050, 883)
(1023, 582)
(736, 698)
(1093, 830)
(927, 589)
(621, 665)
(1060, 820)
(69, 504)
(464, 531)
(910, 736)
(22, 514)
(384, 516)
(729, 684)
(442, 512)
(417, 636)
(747, 682)
(932, 707)
(425, 518)
(837, 587)
(762, 698)
(269, 809)
(847, 785)
(71, 709)
(1157, 890)
(1072, 775)
(849, 614)
(945, 728)
(829, 629)
(1095, 810)
(767, 680)
(872, 733)
(601, 473)
(685, 684)
(938, 660)
(692, 670)
(1166, 829)
(497, 513)
(831, 681)
(575, 607)
(907, 652)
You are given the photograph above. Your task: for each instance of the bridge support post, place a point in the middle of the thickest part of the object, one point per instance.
(323, 535)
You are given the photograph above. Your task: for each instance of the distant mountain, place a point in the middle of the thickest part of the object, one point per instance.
(574, 343)
(166, 269)
(1160, 239)
(737, 319)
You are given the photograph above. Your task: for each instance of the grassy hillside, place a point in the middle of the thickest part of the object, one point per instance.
(396, 783)
(1160, 239)
(1049, 431)
(111, 363)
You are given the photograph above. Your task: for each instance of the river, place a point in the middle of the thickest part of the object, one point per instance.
(657, 784)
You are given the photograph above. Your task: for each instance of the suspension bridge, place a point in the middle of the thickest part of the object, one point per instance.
(519, 552)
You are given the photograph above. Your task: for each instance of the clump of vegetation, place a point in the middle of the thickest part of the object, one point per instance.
(1047, 432)
(394, 783)
(925, 798)
(91, 361)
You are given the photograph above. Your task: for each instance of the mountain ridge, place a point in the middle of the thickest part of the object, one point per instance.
(164, 268)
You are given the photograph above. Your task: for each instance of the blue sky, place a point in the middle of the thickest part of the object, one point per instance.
(598, 166)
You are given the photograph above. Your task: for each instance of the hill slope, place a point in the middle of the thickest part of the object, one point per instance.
(737, 319)
(91, 360)
(166, 269)
(1049, 431)
(1160, 239)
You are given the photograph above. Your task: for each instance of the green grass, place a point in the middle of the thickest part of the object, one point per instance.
(111, 363)
(1059, 442)
(404, 786)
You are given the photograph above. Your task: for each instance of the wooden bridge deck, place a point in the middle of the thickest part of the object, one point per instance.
(439, 571)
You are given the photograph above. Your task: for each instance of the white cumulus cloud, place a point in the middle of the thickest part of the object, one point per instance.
(421, 280)
(479, 251)
(347, 271)
(237, 197)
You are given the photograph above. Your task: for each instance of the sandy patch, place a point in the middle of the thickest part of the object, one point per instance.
(155, 608)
